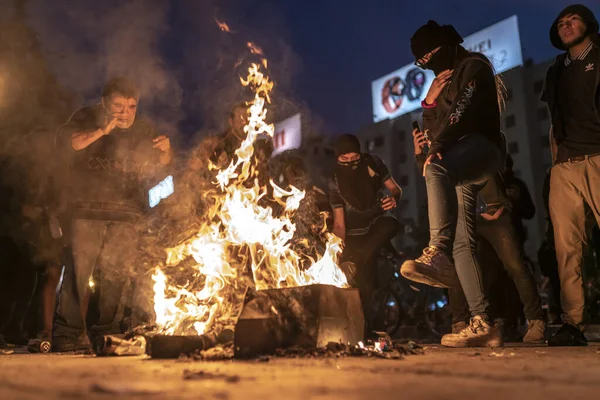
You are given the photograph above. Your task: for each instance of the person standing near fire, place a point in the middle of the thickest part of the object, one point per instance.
(572, 92)
(362, 215)
(111, 152)
(462, 114)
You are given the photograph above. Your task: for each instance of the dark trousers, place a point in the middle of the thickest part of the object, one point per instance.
(574, 194)
(452, 186)
(362, 250)
(107, 251)
(504, 242)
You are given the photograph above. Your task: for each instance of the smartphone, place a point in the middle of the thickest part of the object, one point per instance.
(417, 127)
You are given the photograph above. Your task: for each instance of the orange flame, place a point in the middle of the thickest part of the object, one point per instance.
(240, 234)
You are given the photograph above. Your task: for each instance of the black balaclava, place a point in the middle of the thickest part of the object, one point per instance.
(346, 144)
(586, 15)
(353, 180)
(431, 36)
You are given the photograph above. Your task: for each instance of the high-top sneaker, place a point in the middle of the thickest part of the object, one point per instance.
(536, 332)
(459, 326)
(479, 333)
(433, 268)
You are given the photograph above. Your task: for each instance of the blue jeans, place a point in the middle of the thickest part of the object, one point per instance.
(452, 186)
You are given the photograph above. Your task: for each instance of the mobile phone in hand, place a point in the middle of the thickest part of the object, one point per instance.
(416, 126)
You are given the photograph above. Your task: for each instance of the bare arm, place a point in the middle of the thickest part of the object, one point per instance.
(389, 203)
(553, 147)
(166, 157)
(339, 223)
(81, 140)
(394, 188)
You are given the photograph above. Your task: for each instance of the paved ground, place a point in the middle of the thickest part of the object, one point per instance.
(508, 373)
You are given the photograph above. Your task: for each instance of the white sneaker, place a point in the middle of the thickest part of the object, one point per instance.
(433, 268)
(479, 333)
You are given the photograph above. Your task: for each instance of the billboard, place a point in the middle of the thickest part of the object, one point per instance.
(288, 135)
(403, 90)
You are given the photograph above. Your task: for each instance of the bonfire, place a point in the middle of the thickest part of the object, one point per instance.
(244, 240)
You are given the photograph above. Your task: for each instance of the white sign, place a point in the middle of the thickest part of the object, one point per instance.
(288, 135)
(403, 90)
(161, 191)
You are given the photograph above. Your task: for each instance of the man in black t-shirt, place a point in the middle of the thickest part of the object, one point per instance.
(572, 91)
(361, 214)
(111, 154)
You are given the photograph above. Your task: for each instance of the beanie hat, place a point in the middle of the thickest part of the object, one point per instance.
(579, 9)
(431, 36)
(347, 144)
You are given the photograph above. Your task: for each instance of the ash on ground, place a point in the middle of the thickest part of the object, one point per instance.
(383, 347)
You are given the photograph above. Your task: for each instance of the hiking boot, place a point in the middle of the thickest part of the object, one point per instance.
(4, 349)
(536, 330)
(568, 335)
(479, 333)
(459, 326)
(433, 268)
(65, 344)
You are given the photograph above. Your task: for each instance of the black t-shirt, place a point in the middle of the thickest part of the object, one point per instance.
(580, 124)
(358, 221)
(107, 177)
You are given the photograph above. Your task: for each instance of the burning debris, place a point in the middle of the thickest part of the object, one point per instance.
(254, 49)
(245, 240)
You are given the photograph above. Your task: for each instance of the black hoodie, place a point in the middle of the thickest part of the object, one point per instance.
(468, 105)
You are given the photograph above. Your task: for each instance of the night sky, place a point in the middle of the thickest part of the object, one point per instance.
(324, 53)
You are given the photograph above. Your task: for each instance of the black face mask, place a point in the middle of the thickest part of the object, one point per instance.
(350, 164)
(442, 60)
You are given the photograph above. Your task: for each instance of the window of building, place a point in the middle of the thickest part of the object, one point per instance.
(510, 121)
(538, 86)
(513, 147)
(544, 141)
(370, 145)
(404, 180)
(379, 141)
(542, 113)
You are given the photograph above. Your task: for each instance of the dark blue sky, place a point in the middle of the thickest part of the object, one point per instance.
(323, 54)
(345, 47)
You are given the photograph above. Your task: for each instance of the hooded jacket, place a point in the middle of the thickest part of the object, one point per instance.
(468, 105)
(549, 93)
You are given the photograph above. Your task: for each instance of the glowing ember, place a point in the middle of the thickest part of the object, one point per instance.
(254, 49)
(222, 26)
(243, 240)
